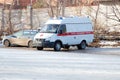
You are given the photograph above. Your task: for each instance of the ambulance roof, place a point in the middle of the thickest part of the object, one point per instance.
(69, 20)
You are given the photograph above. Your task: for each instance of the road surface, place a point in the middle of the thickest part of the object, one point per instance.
(30, 64)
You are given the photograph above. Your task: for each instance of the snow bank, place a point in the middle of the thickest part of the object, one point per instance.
(110, 43)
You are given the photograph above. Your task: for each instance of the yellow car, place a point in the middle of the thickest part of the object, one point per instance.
(21, 38)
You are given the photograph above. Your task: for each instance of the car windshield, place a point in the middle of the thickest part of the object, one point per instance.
(50, 28)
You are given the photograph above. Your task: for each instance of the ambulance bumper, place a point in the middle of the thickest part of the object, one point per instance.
(44, 44)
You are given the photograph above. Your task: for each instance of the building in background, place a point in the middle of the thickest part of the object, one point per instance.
(24, 3)
(17, 3)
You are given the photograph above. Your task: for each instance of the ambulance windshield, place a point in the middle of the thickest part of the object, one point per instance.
(50, 28)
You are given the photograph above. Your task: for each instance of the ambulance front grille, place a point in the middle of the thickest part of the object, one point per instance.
(39, 40)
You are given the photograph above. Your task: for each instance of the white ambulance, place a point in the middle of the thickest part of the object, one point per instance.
(65, 32)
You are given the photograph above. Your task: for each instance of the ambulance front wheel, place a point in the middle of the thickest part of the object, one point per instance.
(82, 45)
(57, 46)
(39, 48)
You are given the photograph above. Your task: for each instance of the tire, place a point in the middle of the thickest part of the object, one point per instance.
(39, 48)
(7, 43)
(30, 44)
(82, 45)
(57, 46)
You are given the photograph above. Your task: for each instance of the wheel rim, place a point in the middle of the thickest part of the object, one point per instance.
(30, 44)
(7, 43)
(83, 45)
(57, 46)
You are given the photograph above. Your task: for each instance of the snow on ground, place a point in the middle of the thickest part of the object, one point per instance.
(64, 65)
(109, 44)
(106, 44)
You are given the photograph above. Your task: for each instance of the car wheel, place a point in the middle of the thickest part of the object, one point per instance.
(57, 46)
(30, 44)
(82, 45)
(7, 43)
(39, 48)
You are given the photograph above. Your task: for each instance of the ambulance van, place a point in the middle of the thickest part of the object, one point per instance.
(65, 32)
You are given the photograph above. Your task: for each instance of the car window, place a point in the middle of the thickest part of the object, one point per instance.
(26, 33)
(62, 28)
(19, 33)
(33, 32)
(30, 32)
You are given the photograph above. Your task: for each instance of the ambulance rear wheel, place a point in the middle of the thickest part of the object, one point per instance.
(39, 48)
(82, 45)
(57, 46)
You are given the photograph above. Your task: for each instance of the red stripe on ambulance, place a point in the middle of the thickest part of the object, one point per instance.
(76, 33)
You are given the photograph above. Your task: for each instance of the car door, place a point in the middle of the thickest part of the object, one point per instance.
(15, 38)
(24, 39)
(66, 36)
(27, 36)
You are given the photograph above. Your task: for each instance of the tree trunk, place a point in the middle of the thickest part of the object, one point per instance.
(96, 24)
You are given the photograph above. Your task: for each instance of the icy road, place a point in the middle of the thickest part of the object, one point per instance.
(30, 64)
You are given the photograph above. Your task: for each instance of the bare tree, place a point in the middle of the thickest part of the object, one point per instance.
(116, 11)
(9, 19)
(96, 16)
(11, 16)
(56, 7)
(114, 15)
(96, 22)
(2, 21)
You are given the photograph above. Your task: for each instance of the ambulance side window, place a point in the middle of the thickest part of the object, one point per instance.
(62, 29)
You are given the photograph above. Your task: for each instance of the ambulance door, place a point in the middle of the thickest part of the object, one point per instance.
(63, 35)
